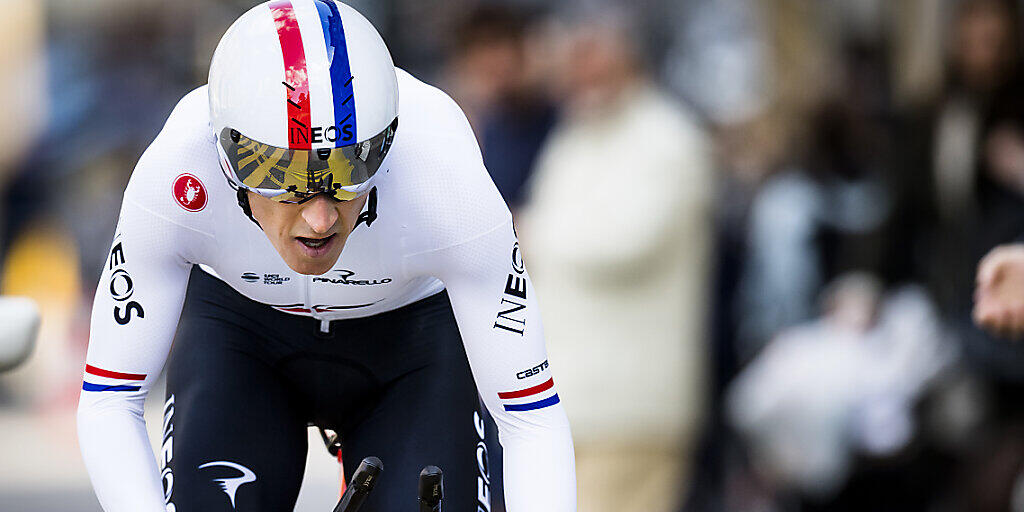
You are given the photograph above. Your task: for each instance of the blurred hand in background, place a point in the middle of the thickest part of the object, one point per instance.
(999, 297)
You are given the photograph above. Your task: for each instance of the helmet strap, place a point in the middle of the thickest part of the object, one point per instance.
(243, 202)
(370, 214)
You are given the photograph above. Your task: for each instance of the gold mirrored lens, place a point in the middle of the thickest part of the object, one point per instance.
(292, 175)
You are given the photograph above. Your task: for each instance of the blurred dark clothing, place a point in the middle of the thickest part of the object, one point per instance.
(511, 135)
(493, 76)
(936, 238)
(952, 207)
(811, 222)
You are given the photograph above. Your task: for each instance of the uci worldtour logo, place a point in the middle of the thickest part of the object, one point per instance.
(122, 288)
(252, 277)
(343, 277)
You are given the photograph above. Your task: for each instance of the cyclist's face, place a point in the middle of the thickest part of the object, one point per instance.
(311, 235)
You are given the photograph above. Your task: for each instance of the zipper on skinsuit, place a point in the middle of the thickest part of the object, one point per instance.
(325, 324)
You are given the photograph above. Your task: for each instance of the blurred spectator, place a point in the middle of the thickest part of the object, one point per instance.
(23, 98)
(959, 195)
(23, 82)
(818, 216)
(85, 104)
(841, 386)
(800, 161)
(495, 80)
(958, 188)
(717, 60)
(115, 72)
(616, 232)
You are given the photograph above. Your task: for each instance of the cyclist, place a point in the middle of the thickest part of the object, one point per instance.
(357, 269)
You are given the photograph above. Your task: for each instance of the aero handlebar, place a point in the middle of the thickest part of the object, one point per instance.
(431, 487)
(363, 481)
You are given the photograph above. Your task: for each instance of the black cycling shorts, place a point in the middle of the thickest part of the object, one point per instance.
(244, 381)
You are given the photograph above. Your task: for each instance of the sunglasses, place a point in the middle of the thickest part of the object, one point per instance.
(296, 175)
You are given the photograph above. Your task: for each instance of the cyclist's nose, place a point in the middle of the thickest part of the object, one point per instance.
(320, 213)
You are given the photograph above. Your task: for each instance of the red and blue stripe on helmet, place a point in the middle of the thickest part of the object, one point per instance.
(300, 120)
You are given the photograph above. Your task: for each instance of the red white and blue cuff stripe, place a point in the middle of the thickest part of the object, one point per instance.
(528, 399)
(98, 379)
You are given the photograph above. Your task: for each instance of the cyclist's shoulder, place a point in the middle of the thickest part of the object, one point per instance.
(188, 123)
(437, 171)
(186, 137)
(434, 141)
(427, 111)
(179, 174)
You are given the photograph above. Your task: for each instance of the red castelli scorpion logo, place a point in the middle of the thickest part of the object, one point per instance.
(189, 192)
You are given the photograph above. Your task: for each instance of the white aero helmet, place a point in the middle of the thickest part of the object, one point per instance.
(303, 100)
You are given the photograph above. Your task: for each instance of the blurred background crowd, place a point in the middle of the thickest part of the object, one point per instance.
(753, 226)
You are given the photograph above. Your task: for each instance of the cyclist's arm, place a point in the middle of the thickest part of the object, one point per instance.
(496, 309)
(134, 317)
(460, 230)
(135, 313)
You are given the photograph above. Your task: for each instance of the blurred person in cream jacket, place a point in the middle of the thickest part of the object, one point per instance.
(616, 231)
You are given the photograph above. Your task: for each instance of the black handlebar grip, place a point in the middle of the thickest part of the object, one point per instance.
(363, 480)
(431, 489)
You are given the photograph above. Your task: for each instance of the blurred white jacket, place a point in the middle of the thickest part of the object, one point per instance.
(616, 232)
(821, 393)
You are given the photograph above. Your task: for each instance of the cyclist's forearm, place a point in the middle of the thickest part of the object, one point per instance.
(118, 456)
(134, 316)
(540, 470)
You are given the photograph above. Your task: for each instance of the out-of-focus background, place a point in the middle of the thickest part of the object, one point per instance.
(752, 224)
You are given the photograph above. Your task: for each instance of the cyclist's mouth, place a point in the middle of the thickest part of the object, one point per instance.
(314, 247)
